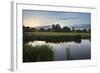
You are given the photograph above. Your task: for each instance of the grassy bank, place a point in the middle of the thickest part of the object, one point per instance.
(37, 53)
(55, 36)
(58, 33)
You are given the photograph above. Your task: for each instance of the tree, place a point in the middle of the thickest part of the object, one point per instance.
(78, 30)
(33, 29)
(48, 29)
(41, 29)
(58, 28)
(66, 29)
(89, 30)
(73, 28)
(53, 27)
(84, 30)
(26, 29)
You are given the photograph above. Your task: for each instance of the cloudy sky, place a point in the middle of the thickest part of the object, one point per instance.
(33, 18)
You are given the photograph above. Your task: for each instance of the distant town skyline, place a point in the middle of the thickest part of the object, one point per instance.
(36, 18)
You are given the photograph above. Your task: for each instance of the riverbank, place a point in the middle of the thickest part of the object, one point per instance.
(55, 36)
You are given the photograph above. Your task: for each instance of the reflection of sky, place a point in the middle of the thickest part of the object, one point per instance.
(35, 18)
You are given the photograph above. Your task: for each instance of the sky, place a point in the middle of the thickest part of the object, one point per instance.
(36, 18)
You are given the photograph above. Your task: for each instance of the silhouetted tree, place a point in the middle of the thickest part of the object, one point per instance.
(58, 28)
(53, 27)
(32, 29)
(42, 29)
(84, 30)
(78, 30)
(89, 30)
(66, 29)
(26, 29)
(49, 29)
(73, 28)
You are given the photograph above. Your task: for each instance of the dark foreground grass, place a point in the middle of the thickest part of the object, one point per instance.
(37, 53)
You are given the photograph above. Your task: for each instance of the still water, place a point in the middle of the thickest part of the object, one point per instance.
(68, 50)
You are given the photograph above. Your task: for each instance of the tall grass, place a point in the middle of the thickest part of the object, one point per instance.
(37, 53)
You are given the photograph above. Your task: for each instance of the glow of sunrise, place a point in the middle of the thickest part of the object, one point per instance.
(35, 18)
(32, 22)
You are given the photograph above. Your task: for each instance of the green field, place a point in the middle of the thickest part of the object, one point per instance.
(55, 36)
(58, 34)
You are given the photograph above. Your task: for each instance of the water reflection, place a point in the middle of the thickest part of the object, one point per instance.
(68, 50)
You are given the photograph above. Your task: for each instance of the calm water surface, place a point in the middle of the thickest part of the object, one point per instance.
(68, 50)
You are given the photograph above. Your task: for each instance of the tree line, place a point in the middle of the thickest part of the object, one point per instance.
(55, 28)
